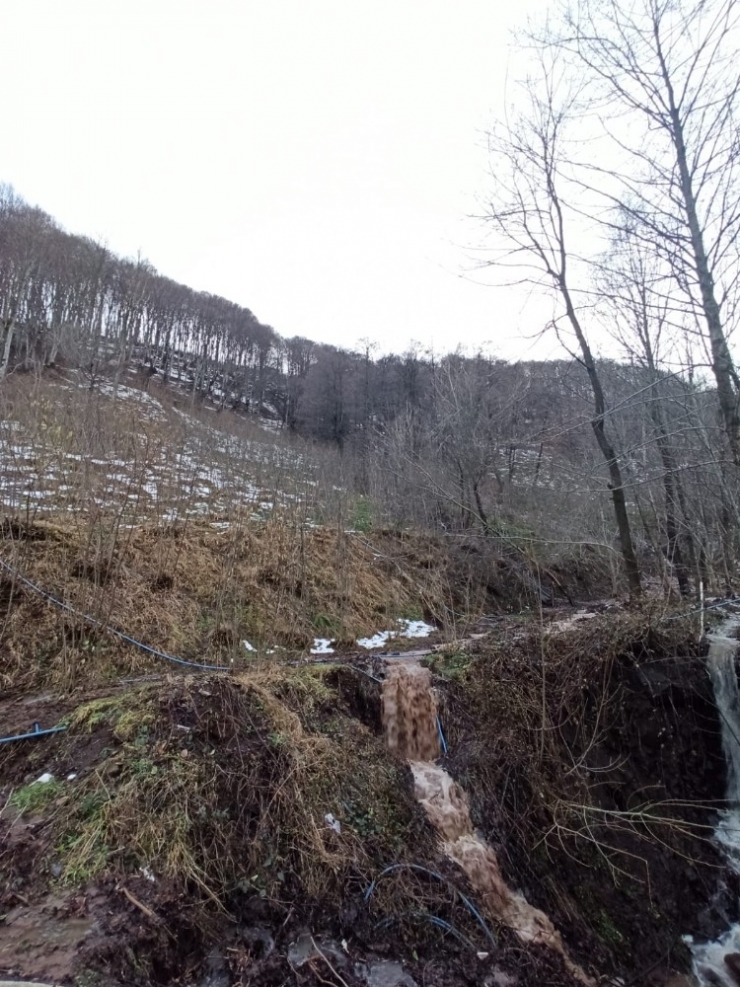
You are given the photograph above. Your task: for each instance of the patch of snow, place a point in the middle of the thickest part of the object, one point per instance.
(558, 626)
(131, 394)
(333, 823)
(416, 628)
(407, 628)
(72, 776)
(44, 779)
(376, 641)
(248, 646)
(322, 646)
(270, 425)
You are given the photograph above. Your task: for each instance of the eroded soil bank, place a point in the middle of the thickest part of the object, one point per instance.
(256, 829)
(594, 765)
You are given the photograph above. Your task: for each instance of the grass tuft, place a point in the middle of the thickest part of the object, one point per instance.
(35, 798)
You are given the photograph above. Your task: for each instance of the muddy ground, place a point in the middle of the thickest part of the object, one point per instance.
(254, 829)
(122, 876)
(606, 825)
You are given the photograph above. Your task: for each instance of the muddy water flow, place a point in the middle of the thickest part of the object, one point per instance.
(410, 723)
(714, 962)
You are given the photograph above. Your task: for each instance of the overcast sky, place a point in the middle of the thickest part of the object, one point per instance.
(313, 160)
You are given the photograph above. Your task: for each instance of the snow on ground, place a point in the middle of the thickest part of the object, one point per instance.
(173, 472)
(124, 393)
(322, 646)
(558, 626)
(416, 628)
(406, 628)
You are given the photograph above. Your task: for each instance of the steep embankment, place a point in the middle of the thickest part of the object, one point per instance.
(593, 758)
(257, 828)
(250, 823)
(199, 590)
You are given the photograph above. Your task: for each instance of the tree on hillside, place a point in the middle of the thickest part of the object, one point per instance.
(25, 235)
(639, 314)
(661, 91)
(533, 226)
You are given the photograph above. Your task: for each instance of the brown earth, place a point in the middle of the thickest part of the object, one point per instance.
(590, 757)
(605, 822)
(218, 789)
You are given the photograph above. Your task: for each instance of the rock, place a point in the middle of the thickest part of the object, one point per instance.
(732, 962)
(255, 936)
(388, 973)
(669, 979)
(306, 948)
(500, 978)
(216, 971)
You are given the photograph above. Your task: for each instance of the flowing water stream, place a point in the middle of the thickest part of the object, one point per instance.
(410, 723)
(714, 962)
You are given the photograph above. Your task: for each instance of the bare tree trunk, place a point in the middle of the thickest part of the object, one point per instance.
(631, 568)
(9, 333)
(670, 482)
(479, 506)
(722, 364)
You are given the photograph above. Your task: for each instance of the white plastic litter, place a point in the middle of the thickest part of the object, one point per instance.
(248, 646)
(72, 776)
(44, 779)
(333, 823)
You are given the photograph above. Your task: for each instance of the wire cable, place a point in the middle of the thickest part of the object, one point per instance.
(106, 627)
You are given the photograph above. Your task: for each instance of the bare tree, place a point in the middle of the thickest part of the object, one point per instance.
(632, 290)
(530, 219)
(662, 98)
(24, 236)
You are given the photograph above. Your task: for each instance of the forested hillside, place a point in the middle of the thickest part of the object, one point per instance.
(452, 441)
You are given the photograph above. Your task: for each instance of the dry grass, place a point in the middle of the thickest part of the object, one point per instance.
(187, 530)
(190, 590)
(146, 454)
(193, 532)
(219, 788)
(198, 591)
